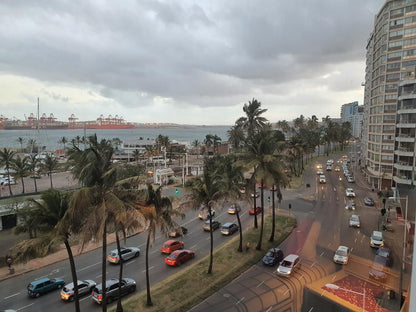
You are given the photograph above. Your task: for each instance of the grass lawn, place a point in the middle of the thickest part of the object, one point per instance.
(188, 287)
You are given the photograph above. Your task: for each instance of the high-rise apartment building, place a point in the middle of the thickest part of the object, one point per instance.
(391, 60)
(348, 110)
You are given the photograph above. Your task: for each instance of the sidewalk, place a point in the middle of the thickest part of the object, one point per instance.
(60, 255)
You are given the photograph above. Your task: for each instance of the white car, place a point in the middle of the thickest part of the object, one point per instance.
(288, 265)
(377, 239)
(126, 252)
(350, 179)
(319, 172)
(341, 255)
(322, 179)
(349, 192)
(355, 221)
(203, 214)
(84, 288)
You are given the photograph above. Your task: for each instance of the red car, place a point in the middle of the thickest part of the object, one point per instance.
(253, 211)
(178, 257)
(171, 245)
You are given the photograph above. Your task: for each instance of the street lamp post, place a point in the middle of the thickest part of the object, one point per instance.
(333, 286)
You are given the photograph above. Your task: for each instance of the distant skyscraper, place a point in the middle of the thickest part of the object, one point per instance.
(389, 100)
(353, 114)
(348, 110)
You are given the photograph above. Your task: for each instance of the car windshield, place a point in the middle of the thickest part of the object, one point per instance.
(30, 286)
(341, 253)
(380, 260)
(113, 254)
(376, 236)
(354, 218)
(287, 264)
(165, 245)
(173, 256)
(269, 254)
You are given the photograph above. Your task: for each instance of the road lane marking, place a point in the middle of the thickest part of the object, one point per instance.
(11, 295)
(269, 309)
(193, 247)
(130, 262)
(286, 292)
(208, 238)
(260, 284)
(89, 266)
(310, 310)
(240, 300)
(312, 265)
(87, 297)
(152, 267)
(333, 278)
(25, 306)
(322, 253)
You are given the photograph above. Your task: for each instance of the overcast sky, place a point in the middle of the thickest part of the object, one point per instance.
(189, 62)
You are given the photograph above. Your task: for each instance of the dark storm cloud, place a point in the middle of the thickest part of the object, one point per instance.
(183, 50)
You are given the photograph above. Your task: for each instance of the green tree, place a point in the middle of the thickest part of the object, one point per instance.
(63, 141)
(6, 160)
(236, 136)
(21, 168)
(33, 163)
(50, 163)
(253, 121)
(20, 140)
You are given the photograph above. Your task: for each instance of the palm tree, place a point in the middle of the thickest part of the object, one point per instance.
(63, 141)
(236, 135)
(20, 140)
(230, 179)
(33, 168)
(284, 126)
(253, 121)
(31, 143)
(21, 168)
(203, 194)
(49, 164)
(261, 157)
(136, 156)
(6, 160)
(159, 213)
(96, 202)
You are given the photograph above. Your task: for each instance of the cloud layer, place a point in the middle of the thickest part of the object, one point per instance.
(182, 61)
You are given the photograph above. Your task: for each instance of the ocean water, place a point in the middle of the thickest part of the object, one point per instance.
(49, 139)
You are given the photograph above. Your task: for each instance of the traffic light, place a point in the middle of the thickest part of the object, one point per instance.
(268, 199)
(383, 211)
(290, 206)
(175, 177)
(176, 191)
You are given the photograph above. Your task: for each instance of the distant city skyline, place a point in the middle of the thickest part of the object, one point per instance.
(182, 62)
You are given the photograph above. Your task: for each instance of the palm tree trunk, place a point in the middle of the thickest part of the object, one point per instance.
(50, 178)
(237, 212)
(149, 299)
(73, 273)
(211, 252)
(10, 187)
(104, 267)
(36, 185)
(255, 214)
(258, 247)
(23, 186)
(271, 239)
(120, 275)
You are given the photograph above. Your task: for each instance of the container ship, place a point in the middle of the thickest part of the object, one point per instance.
(102, 122)
(33, 122)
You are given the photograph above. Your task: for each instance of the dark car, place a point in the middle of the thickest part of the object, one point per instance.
(273, 256)
(178, 232)
(229, 228)
(385, 253)
(378, 270)
(215, 225)
(368, 201)
(128, 285)
(84, 288)
(43, 286)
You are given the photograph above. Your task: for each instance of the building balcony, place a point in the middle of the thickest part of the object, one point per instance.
(404, 152)
(403, 180)
(405, 138)
(406, 111)
(406, 96)
(403, 166)
(406, 125)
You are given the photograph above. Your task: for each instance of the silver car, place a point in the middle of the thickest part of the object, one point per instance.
(355, 221)
(84, 288)
(126, 252)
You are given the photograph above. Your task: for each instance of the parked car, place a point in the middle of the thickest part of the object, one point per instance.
(171, 245)
(128, 285)
(231, 209)
(288, 265)
(350, 205)
(376, 239)
(178, 232)
(253, 211)
(355, 221)
(43, 286)
(215, 225)
(204, 215)
(341, 255)
(349, 192)
(385, 253)
(368, 201)
(126, 253)
(322, 179)
(84, 287)
(179, 257)
(273, 256)
(229, 228)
